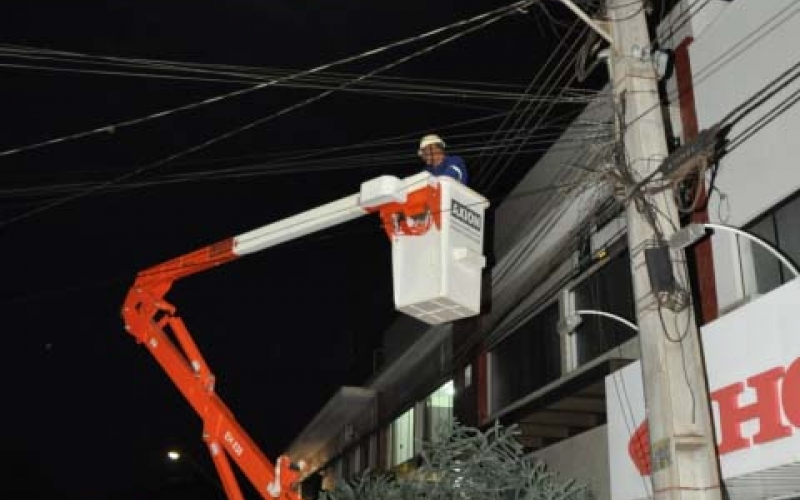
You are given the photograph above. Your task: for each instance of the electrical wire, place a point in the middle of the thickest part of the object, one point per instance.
(248, 126)
(762, 122)
(749, 105)
(716, 64)
(523, 119)
(518, 119)
(492, 16)
(253, 73)
(427, 91)
(360, 161)
(249, 172)
(515, 109)
(533, 114)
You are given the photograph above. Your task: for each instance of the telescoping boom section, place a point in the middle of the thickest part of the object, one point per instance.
(435, 226)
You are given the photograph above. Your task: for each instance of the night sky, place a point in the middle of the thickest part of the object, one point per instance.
(86, 413)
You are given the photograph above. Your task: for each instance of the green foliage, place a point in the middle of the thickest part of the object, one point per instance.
(466, 464)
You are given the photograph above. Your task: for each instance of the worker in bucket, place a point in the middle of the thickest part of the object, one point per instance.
(431, 150)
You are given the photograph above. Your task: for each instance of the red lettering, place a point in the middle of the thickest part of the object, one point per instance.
(639, 449)
(766, 408)
(771, 404)
(790, 393)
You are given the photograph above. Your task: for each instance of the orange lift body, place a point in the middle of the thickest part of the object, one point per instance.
(155, 324)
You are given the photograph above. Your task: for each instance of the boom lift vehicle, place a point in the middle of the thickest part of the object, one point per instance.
(435, 225)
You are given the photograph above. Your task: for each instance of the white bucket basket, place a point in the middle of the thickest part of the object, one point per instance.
(437, 275)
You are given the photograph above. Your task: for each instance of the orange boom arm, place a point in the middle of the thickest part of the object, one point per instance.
(155, 324)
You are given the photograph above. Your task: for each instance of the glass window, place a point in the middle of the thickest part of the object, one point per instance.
(355, 461)
(439, 412)
(341, 471)
(767, 267)
(372, 452)
(787, 221)
(609, 289)
(527, 360)
(781, 229)
(403, 438)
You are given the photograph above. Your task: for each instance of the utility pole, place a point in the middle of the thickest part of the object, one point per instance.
(682, 449)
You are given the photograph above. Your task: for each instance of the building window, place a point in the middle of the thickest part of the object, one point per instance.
(439, 412)
(372, 452)
(355, 460)
(779, 227)
(402, 448)
(527, 360)
(341, 470)
(609, 289)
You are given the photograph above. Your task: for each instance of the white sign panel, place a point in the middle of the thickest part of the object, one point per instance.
(753, 361)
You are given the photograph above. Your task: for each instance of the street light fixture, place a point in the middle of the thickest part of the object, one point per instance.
(694, 232)
(174, 455)
(572, 321)
(618, 319)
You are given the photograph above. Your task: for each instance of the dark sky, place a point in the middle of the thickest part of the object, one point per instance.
(86, 413)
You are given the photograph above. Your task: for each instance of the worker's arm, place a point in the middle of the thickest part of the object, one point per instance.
(455, 167)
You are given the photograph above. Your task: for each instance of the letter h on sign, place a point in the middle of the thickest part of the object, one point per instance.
(766, 408)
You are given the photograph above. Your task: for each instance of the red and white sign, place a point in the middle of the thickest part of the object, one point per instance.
(753, 361)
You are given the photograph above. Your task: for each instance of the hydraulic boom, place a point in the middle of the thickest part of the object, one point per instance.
(154, 321)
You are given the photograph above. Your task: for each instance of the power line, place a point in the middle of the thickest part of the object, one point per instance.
(149, 167)
(370, 87)
(253, 72)
(494, 14)
(515, 109)
(249, 172)
(320, 160)
(556, 76)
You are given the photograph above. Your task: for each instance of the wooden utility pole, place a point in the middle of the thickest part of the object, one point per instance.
(683, 453)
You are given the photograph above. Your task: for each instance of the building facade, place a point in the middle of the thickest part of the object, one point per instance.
(525, 360)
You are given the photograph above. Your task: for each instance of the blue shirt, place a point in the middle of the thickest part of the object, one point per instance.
(451, 166)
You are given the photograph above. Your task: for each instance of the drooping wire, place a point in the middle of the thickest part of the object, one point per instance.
(483, 167)
(494, 174)
(303, 163)
(492, 16)
(255, 123)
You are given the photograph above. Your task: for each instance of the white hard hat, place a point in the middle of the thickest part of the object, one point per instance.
(428, 140)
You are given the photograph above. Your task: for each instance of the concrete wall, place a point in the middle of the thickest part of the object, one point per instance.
(739, 48)
(583, 458)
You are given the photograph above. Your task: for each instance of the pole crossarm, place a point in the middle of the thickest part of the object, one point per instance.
(588, 20)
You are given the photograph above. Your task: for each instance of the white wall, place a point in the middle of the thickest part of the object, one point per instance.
(583, 458)
(739, 48)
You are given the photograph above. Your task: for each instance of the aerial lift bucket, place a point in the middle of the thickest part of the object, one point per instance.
(437, 250)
